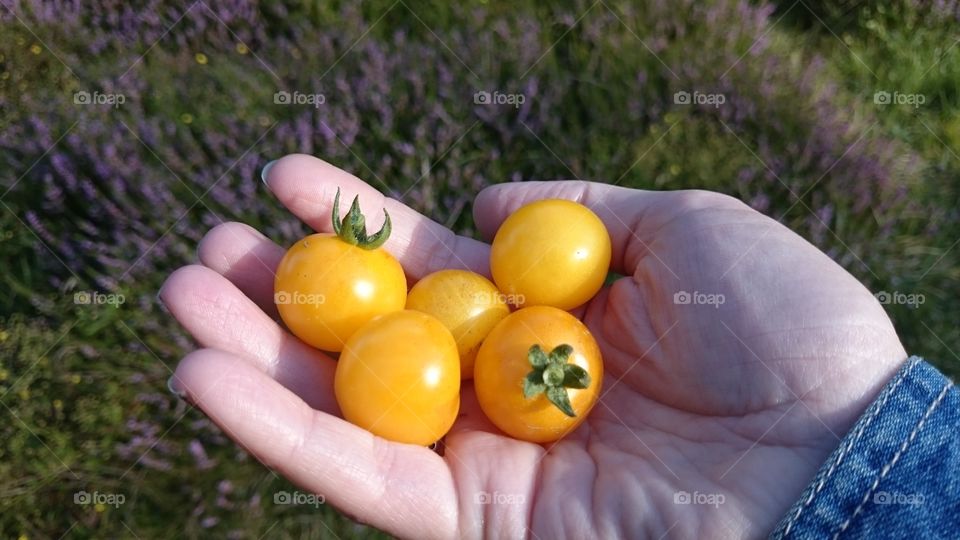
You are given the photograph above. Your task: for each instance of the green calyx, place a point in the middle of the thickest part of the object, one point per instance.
(352, 229)
(552, 375)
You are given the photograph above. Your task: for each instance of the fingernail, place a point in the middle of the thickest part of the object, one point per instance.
(174, 386)
(160, 299)
(266, 169)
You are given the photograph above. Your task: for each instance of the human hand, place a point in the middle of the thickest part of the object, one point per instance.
(735, 403)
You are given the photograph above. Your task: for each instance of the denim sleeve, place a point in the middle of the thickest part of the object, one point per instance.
(896, 474)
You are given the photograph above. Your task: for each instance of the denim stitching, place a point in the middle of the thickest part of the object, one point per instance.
(903, 448)
(856, 437)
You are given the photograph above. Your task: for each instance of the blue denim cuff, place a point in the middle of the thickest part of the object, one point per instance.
(896, 474)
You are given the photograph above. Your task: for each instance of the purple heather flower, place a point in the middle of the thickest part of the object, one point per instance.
(200, 455)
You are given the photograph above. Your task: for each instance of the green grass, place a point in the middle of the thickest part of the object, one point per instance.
(894, 48)
(80, 384)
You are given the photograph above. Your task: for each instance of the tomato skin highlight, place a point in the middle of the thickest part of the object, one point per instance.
(325, 289)
(552, 253)
(502, 364)
(468, 304)
(399, 378)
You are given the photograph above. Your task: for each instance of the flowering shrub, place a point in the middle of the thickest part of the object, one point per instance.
(199, 119)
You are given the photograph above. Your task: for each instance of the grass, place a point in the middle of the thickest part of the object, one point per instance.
(83, 386)
(893, 48)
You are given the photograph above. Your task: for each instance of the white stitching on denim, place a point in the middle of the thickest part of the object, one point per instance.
(903, 448)
(914, 360)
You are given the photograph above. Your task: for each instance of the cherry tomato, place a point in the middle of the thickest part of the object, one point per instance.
(399, 378)
(538, 374)
(551, 253)
(329, 285)
(466, 303)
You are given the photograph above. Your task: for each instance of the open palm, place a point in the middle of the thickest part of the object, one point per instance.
(736, 354)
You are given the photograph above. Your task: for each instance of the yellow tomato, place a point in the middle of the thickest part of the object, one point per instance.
(329, 285)
(466, 303)
(538, 374)
(399, 378)
(551, 253)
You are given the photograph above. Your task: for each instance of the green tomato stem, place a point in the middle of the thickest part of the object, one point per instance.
(552, 376)
(353, 228)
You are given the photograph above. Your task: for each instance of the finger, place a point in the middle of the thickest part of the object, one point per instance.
(404, 489)
(247, 258)
(307, 185)
(218, 315)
